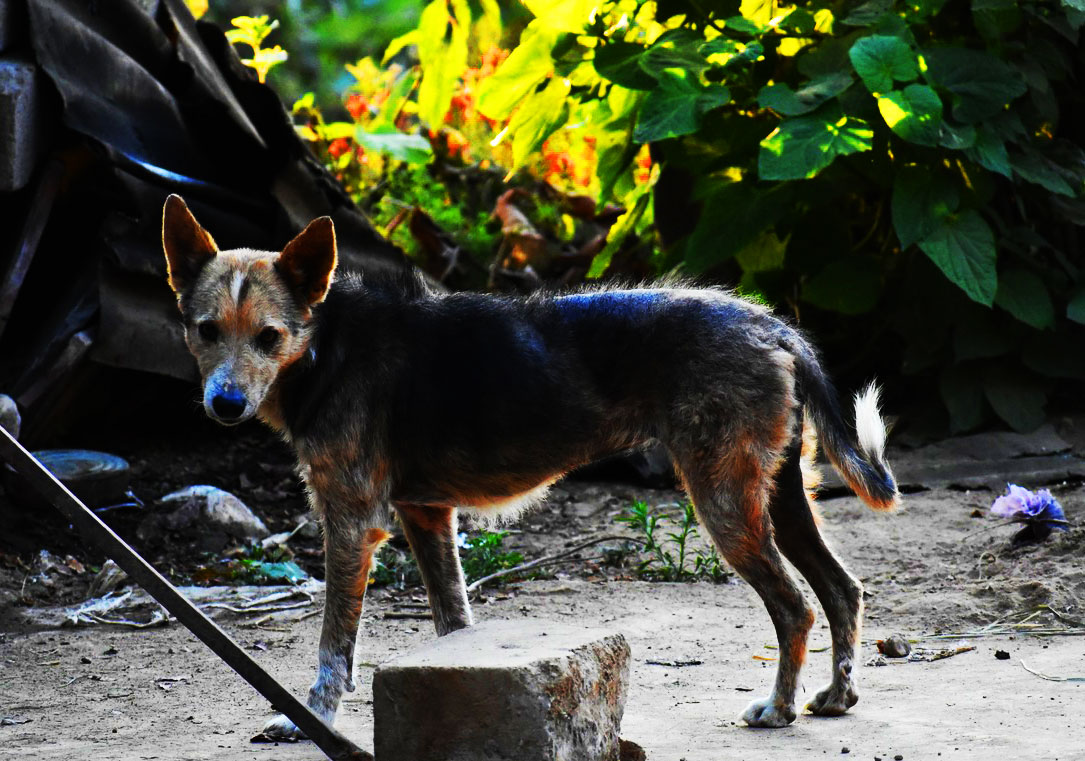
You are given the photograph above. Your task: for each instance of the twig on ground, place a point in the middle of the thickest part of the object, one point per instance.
(411, 615)
(547, 560)
(1051, 677)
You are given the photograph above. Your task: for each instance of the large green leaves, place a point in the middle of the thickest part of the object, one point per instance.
(963, 247)
(528, 65)
(981, 84)
(1024, 295)
(847, 286)
(914, 113)
(538, 117)
(880, 60)
(782, 99)
(414, 149)
(921, 200)
(802, 146)
(442, 51)
(676, 105)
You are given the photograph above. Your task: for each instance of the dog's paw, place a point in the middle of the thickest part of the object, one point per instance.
(834, 700)
(279, 729)
(766, 713)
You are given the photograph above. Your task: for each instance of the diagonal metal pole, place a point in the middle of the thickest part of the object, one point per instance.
(334, 744)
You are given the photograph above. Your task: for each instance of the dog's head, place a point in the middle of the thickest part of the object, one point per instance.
(246, 313)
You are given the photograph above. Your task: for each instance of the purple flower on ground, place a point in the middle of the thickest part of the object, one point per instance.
(1039, 507)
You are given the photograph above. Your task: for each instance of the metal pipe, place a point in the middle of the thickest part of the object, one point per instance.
(92, 529)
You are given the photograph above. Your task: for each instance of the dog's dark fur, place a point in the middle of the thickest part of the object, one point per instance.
(399, 399)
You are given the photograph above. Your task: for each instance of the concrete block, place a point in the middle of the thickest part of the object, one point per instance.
(21, 124)
(504, 691)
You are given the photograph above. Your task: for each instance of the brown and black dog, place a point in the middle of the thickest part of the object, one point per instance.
(399, 398)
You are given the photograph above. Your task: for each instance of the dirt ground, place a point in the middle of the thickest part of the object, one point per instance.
(701, 651)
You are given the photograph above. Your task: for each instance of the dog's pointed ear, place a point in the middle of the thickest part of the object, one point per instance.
(188, 246)
(308, 261)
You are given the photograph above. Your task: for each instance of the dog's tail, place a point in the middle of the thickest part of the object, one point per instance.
(859, 454)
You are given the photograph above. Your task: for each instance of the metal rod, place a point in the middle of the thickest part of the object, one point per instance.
(91, 527)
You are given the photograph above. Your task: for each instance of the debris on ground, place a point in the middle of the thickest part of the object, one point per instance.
(1002, 655)
(136, 609)
(109, 579)
(207, 514)
(894, 646)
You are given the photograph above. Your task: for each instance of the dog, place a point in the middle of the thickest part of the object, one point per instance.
(401, 399)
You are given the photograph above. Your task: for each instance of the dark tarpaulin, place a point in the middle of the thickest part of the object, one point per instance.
(154, 103)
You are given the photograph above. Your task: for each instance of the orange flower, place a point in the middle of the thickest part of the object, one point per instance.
(357, 105)
(338, 147)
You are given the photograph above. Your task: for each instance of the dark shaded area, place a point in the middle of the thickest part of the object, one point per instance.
(141, 101)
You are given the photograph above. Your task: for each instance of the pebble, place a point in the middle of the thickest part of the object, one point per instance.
(894, 646)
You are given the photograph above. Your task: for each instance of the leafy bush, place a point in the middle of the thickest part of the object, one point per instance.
(904, 178)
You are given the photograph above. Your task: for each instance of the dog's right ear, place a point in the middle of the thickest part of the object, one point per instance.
(188, 246)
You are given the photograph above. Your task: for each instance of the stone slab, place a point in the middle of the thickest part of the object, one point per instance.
(521, 690)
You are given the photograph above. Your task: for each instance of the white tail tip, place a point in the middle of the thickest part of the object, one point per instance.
(868, 422)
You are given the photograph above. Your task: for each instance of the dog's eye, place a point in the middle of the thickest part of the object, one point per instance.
(208, 330)
(267, 339)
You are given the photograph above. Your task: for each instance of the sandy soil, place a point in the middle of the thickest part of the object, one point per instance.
(933, 568)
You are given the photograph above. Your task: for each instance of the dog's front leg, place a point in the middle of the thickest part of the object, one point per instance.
(348, 554)
(431, 532)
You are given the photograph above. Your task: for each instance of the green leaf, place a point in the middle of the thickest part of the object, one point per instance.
(880, 60)
(396, 45)
(1039, 170)
(1075, 310)
(414, 149)
(784, 100)
(868, 13)
(562, 15)
(848, 286)
(733, 216)
(765, 254)
(989, 151)
(963, 247)
(799, 21)
(678, 49)
(538, 117)
(745, 26)
(981, 84)
(995, 18)
(619, 231)
(801, 146)
(914, 114)
(618, 62)
(957, 137)
(1023, 294)
(442, 53)
(1016, 398)
(676, 106)
(962, 393)
(528, 65)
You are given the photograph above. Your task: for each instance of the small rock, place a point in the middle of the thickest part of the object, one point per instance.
(1002, 655)
(845, 749)
(898, 757)
(308, 528)
(204, 510)
(10, 419)
(894, 646)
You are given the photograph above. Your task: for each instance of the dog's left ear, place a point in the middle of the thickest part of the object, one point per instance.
(308, 261)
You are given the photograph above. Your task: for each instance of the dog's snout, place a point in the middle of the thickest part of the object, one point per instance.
(229, 404)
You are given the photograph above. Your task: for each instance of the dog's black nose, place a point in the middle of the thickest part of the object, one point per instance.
(229, 405)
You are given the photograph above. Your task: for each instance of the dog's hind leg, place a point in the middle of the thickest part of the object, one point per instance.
(840, 594)
(431, 532)
(349, 546)
(730, 497)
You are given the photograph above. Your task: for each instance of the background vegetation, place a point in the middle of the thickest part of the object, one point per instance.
(903, 178)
